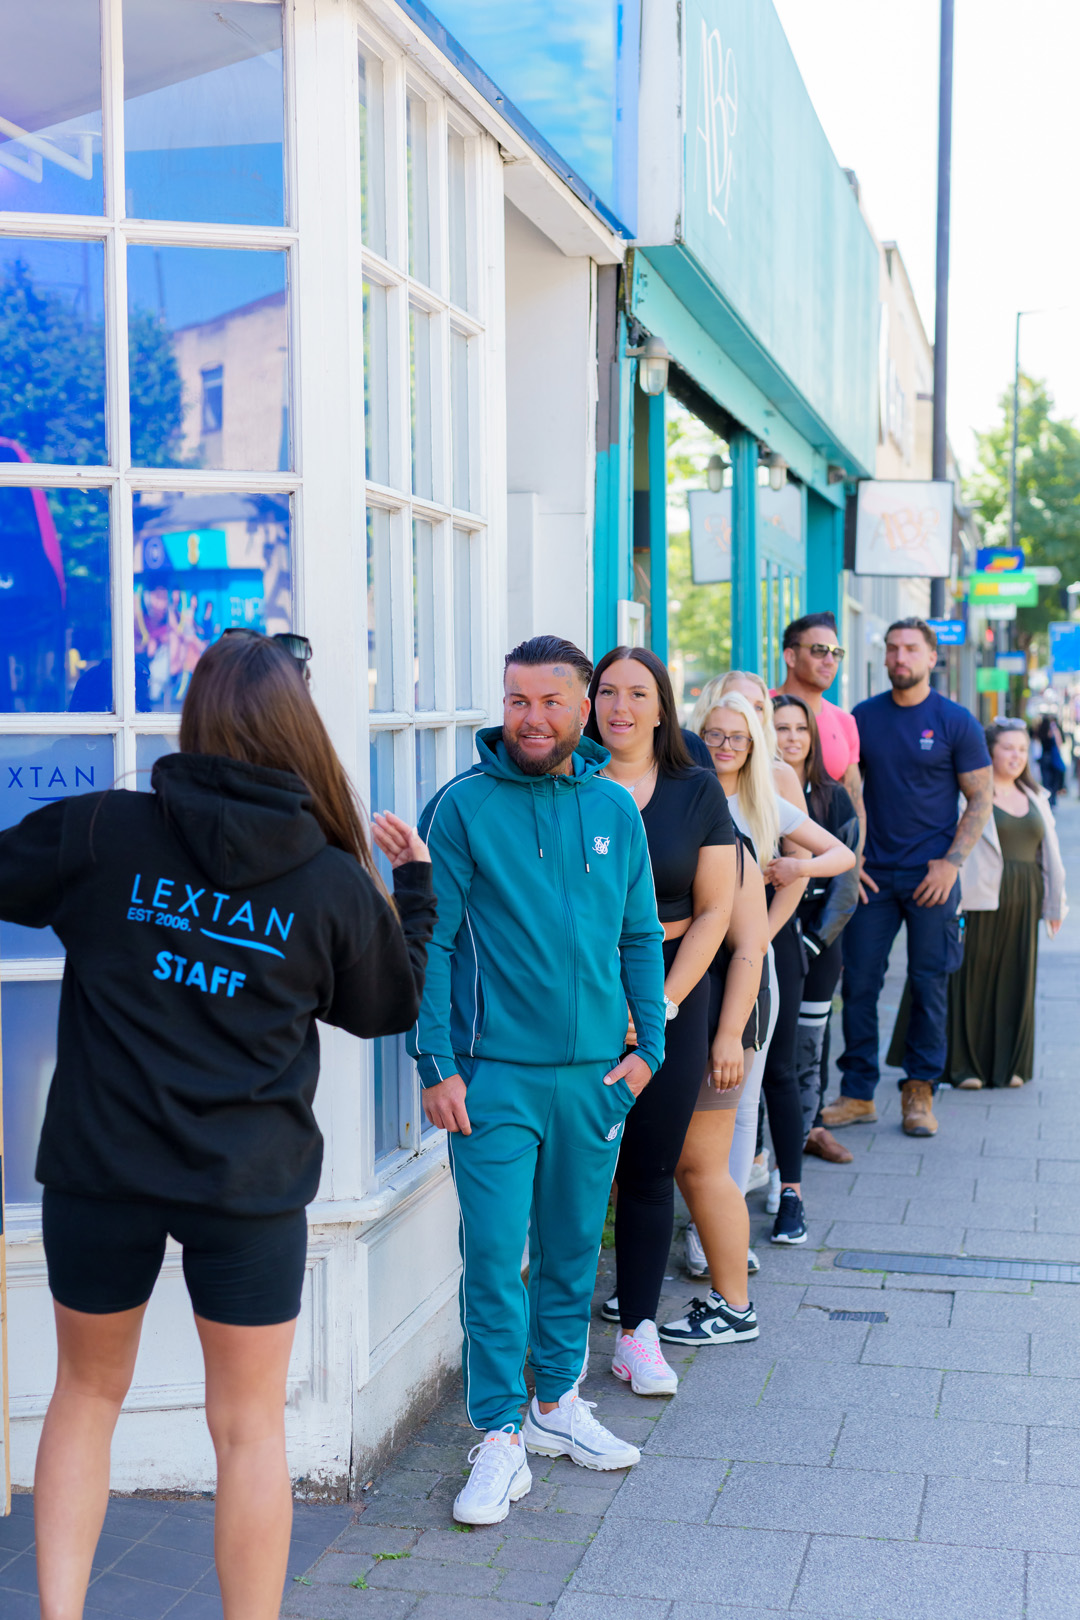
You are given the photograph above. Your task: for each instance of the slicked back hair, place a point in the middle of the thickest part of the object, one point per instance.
(928, 635)
(809, 621)
(549, 650)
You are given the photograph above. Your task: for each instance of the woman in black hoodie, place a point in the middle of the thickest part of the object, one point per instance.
(207, 926)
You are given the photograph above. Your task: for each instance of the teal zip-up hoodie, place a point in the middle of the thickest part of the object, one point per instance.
(547, 923)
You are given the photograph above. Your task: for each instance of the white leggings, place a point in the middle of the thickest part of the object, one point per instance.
(744, 1137)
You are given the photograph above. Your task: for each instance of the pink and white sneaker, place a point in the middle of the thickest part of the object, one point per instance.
(639, 1362)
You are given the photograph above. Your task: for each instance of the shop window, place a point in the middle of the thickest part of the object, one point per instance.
(212, 400)
(191, 312)
(420, 325)
(380, 602)
(416, 151)
(28, 1014)
(458, 217)
(376, 383)
(372, 152)
(204, 111)
(50, 99)
(424, 615)
(52, 339)
(204, 563)
(148, 750)
(460, 428)
(464, 685)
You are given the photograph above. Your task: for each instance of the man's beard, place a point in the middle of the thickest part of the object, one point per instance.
(532, 766)
(903, 683)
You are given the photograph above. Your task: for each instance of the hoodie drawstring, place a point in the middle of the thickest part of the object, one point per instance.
(536, 821)
(581, 824)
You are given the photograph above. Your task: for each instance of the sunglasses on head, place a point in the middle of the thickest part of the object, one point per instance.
(299, 647)
(822, 649)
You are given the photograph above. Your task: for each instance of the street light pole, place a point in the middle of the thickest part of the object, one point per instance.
(1015, 433)
(941, 307)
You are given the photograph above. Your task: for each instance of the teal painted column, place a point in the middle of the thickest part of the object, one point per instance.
(658, 571)
(825, 566)
(745, 584)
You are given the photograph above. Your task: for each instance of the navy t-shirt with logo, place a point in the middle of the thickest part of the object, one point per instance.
(911, 758)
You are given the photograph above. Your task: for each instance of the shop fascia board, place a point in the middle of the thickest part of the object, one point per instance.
(665, 281)
(530, 184)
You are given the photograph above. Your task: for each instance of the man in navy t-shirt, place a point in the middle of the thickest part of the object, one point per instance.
(919, 751)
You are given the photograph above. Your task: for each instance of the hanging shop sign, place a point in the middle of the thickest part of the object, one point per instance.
(999, 559)
(780, 531)
(991, 680)
(1064, 647)
(949, 632)
(1020, 588)
(1013, 663)
(903, 528)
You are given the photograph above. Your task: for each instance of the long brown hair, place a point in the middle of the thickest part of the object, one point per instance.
(669, 749)
(1000, 728)
(248, 700)
(818, 780)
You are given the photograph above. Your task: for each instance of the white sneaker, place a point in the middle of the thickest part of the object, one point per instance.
(772, 1197)
(639, 1362)
(696, 1263)
(500, 1475)
(758, 1177)
(753, 1264)
(572, 1431)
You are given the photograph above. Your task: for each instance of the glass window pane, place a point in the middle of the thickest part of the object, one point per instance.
(372, 153)
(203, 563)
(208, 330)
(36, 771)
(390, 1060)
(50, 98)
(376, 384)
(28, 1014)
(458, 219)
(424, 613)
(426, 777)
(52, 351)
(148, 750)
(55, 623)
(380, 612)
(463, 649)
(204, 111)
(459, 418)
(420, 401)
(416, 137)
(464, 748)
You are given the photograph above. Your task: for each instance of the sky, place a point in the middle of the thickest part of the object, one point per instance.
(871, 68)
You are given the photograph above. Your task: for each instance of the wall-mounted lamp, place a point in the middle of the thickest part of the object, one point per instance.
(778, 468)
(835, 474)
(654, 359)
(714, 472)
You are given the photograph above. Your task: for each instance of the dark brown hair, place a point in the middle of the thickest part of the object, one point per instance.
(540, 650)
(1001, 728)
(809, 621)
(669, 749)
(818, 780)
(248, 700)
(912, 623)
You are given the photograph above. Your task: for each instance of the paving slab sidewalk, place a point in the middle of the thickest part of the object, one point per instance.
(923, 1467)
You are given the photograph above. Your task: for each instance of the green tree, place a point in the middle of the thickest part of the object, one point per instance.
(1047, 494)
(699, 616)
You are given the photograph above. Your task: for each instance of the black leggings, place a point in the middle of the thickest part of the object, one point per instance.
(652, 1141)
(780, 1080)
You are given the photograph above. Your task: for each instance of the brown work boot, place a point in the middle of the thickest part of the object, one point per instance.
(917, 1103)
(849, 1111)
(822, 1144)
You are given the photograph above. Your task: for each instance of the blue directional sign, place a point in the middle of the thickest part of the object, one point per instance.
(1065, 646)
(949, 632)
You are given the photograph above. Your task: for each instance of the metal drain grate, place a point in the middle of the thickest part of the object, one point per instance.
(858, 1316)
(954, 1265)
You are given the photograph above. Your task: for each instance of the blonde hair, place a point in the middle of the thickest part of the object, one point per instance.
(757, 792)
(728, 681)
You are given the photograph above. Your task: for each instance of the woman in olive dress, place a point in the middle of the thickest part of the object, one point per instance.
(1012, 878)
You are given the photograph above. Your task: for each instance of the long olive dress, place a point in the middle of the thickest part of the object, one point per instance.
(992, 996)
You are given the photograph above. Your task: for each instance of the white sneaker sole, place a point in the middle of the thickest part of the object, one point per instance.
(653, 1387)
(542, 1444)
(497, 1513)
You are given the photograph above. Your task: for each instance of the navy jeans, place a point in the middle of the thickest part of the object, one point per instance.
(935, 949)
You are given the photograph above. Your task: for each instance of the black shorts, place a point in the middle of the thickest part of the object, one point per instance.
(104, 1255)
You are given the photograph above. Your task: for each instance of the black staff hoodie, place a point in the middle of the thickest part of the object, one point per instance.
(207, 926)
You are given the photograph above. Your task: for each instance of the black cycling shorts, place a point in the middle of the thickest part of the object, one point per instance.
(104, 1255)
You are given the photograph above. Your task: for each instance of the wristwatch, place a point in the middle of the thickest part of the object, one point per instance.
(671, 1009)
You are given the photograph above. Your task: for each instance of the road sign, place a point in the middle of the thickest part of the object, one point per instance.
(998, 612)
(991, 680)
(999, 559)
(1046, 574)
(1064, 646)
(1013, 663)
(1019, 587)
(949, 632)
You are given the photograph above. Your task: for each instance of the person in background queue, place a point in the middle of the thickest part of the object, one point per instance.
(207, 926)
(1013, 876)
(918, 750)
(813, 662)
(692, 853)
(547, 930)
(824, 910)
(791, 850)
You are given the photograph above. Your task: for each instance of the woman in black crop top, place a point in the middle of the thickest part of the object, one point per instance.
(692, 849)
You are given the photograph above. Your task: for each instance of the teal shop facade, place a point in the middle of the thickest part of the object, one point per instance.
(754, 267)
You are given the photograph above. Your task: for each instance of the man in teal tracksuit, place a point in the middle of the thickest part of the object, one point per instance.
(547, 931)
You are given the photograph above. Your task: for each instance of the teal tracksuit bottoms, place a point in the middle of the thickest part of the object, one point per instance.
(540, 1160)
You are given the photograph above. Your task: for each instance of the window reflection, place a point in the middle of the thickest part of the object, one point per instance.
(203, 564)
(52, 343)
(28, 1012)
(463, 589)
(416, 139)
(459, 418)
(380, 611)
(208, 331)
(424, 613)
(372, 158)
(35, 771)
(204, 111)
(458, 218)
(426, 777)
(420, 401)
(376, 383)
(149, 748)
(50, 108)
(55, 626)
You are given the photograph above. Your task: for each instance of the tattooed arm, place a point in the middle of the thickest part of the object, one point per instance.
(978, 789)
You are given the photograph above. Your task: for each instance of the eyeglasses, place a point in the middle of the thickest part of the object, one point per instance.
(299, 647)
(738, 741)
(823, 649)
(1010, 725)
